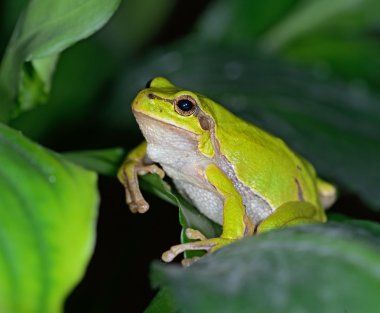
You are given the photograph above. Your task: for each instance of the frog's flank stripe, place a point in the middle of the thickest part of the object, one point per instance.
(299, 190)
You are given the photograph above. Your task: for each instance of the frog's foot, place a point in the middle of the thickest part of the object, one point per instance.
(194, 234)
(150, 169)
(208, 245)
(128, 177)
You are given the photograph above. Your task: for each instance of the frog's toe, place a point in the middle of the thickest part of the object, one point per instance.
(138, 206)
(194, 234)
(169, 255)
(208, 245)
(151, 169)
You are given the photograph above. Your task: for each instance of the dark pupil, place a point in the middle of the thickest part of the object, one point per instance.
(185, 105)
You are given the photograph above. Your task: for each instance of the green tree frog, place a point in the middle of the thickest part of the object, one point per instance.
(235, 173)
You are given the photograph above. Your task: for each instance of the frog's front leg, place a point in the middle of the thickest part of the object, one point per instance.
(290, 214)
(134, 165)
(236, 223)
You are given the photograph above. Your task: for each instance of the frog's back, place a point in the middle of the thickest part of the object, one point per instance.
(264, 163)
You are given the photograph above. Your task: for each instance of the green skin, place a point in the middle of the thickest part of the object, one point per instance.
(260, 162)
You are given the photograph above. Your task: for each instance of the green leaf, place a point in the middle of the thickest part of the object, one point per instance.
(69, 102)
(275, 24)
(318, 268)
(44, 29)
(106, 161)
(333, 124)
(354, 59)
(48, 209)
(163, 302)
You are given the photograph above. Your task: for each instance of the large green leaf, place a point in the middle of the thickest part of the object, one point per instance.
(47, 225)
(44, 29)
(319, 268)
(333, 124)
(106, 161)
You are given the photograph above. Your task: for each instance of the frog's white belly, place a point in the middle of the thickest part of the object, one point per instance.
(187, 167)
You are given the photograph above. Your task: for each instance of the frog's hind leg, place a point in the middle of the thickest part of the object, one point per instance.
(291, 214)
(235, 222)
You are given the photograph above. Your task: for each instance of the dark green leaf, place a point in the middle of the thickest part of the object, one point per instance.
(242, 20)
(275, 24)
(115, 43)
(163, 302)
(129, 31)
(44, 29)
(106, 161)
(70, 101)
(48, 210)
(371, 226)
(337, 217)
(320, 268)
(335, 36)
(355, 60)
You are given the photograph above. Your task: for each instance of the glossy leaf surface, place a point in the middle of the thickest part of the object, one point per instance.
(44, 29)
(48, 209)
(283, 271)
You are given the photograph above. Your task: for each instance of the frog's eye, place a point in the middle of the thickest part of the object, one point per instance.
(185, 105)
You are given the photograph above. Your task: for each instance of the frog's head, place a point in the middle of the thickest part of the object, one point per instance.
(162, 108)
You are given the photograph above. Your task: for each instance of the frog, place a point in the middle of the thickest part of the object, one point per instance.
(235, 173)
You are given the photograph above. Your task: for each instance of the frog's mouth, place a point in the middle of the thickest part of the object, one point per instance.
(163, 133)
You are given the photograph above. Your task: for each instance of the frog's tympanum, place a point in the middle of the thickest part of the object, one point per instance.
(235, 173)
